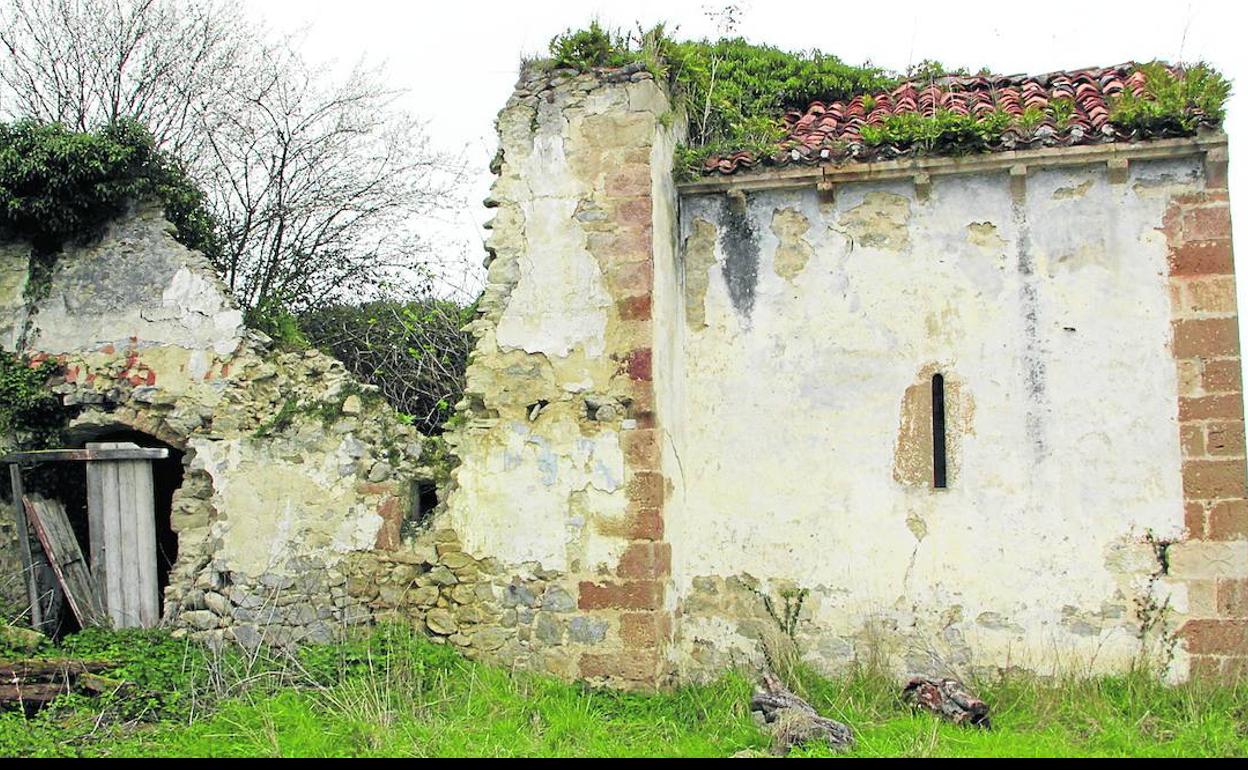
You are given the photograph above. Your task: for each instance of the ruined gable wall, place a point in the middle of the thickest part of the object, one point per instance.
(811, 331)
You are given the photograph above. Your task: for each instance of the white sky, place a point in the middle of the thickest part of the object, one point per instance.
(458, 61)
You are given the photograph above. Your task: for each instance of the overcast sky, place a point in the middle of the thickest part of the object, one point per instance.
(458, 61)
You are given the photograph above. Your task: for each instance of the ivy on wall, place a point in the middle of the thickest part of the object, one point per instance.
(59, 186)
(31, 415)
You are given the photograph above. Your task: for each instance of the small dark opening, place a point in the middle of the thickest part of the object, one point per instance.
(427, 499)
(939, 470)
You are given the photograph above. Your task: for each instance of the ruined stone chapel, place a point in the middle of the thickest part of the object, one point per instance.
(961, 414)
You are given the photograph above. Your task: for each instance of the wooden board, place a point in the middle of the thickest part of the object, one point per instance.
(93, 452)
(23, 547)
(122, 510)
(47, 518)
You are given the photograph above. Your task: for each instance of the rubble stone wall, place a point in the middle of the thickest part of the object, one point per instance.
(291, 466)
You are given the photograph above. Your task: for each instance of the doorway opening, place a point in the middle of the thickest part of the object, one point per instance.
(67, 483)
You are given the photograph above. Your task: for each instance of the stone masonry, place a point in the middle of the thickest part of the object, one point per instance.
(560, 442)
(1211, 561)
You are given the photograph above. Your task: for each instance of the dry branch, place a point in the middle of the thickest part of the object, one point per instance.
(948, 699)
(793, 721)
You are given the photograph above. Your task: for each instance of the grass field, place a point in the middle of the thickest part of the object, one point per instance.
(392, 694)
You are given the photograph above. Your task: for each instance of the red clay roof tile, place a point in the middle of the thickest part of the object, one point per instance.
(833, 132)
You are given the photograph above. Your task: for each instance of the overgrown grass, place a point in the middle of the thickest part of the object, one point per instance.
(396, 694)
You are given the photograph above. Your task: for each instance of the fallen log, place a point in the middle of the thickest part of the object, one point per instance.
(792, 721)
(948, 699)
(34, 693)
(44, 669)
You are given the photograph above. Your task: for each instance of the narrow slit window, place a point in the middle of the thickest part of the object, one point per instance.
(939, 468)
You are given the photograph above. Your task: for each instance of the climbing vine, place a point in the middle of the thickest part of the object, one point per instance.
(31, 415)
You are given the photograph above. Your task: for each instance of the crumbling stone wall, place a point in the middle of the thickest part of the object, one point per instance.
(1054, 300)
(291, 466)
(559, 444)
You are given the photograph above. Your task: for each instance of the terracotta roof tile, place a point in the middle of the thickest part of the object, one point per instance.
(832, 132)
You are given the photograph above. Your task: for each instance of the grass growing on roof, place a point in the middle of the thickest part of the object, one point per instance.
(734, 94)
(393, 693)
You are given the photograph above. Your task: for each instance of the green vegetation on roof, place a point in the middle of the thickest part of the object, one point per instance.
(735, 93)
(1173, 104)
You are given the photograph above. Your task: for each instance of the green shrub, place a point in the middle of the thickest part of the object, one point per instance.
(276, 321)
(1173, 103)
(945, 132)
(58, 185)
(415, 352)
(595, 46)
(733, 92)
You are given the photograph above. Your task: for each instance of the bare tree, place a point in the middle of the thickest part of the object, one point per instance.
(318, 181)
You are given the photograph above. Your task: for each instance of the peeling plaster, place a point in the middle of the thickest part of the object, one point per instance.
(793, 251)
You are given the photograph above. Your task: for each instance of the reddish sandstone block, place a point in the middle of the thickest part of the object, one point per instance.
(1194, 520)
(640, 365)
(631, 180)
(645, 561)
(645, 629)
(1208, 222)
(634, 665)
(634, 308)
(1206, 338)
(1224, 407)
(1216, 637)
(1228, 520)
(1222, 376)
(646, 489)
(1213, 479)
(1211, 257)
(1233, 598)
(641, 448)
(635, 211)
(625, 595)
(1225, 438)
(644, 523)
(391, 513)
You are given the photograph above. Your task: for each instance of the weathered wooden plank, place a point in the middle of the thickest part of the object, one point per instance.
(51, 526)
(99, 569)
(127, 452)
(141, 503)
(23, 547)
(108, 509)
(121, 502)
